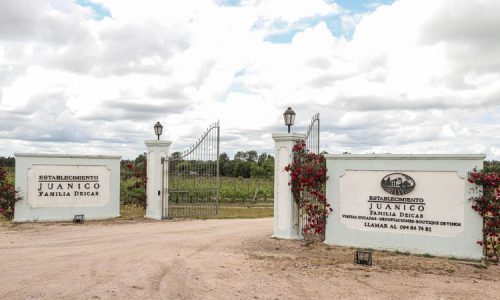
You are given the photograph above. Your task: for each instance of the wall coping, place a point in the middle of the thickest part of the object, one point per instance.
(157, 143)
(55, 155)
(479, 156)
(284, 136)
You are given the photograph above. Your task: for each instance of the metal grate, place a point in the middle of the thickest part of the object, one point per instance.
(193, 184)
(363, 258)
(78, 219)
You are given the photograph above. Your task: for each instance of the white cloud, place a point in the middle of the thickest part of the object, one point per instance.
(416, 76)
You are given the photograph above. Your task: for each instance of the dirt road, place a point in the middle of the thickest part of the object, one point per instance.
(214, 259)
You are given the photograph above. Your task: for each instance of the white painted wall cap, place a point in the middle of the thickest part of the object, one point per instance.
(55, 155)
(160, 143)
(480, 156)
(284, 136)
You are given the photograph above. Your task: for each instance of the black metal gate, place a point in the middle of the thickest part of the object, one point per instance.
(193, 183)
(312, 144)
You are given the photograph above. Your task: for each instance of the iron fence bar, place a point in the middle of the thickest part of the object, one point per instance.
(163, 179)
(312, 134)
(318, 134)
(218, 171)
(312, 141)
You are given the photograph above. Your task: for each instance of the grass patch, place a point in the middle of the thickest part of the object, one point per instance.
(426, 255)
(131, 212)
(225, 212)
(406, 253)
(128, 212)
(241, 212)
(365, 249)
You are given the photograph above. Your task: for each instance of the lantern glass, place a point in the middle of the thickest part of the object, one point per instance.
(158, 129)
(289, 116)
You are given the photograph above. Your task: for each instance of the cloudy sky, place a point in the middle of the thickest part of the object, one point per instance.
(93, 76)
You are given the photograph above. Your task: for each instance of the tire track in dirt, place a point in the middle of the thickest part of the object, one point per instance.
(175, 279)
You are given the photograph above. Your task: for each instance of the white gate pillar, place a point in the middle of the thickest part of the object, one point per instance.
(286, 213)
(157, 150)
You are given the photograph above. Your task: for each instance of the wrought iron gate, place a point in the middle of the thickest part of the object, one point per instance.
(312, 144)
(193, 184)
(312, 135)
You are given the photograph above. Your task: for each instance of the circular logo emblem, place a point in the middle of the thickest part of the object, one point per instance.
(398, 184)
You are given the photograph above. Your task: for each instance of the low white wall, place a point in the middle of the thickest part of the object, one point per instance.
(57, 187)
(415, 203)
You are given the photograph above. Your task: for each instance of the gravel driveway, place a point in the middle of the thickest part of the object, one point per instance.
(213, 259)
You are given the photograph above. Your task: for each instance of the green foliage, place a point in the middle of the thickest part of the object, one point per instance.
(308, 181)
(252, 156)
(257, 171)
(492, 166)
(132, 192)
(7, 162)
(241, 212)
(133, 184)
(487, 206)
(241, 155)
(246, 190)
(242, 168)
(8, 195)
(247, 165)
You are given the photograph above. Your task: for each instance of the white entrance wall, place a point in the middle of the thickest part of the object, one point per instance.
(157, 178)
(59, 186)
(286, 220)
(414, 203)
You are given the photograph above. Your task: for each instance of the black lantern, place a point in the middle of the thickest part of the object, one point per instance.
(158, 129)
(289, 116)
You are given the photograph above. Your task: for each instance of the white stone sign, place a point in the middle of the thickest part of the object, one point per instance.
(68, 186)
(60, 186)
(417, 203)
(432, 206)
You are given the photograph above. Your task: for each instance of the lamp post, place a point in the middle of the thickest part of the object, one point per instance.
(158, 129)
(289, 116)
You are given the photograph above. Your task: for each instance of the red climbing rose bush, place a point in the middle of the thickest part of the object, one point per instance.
(488, 207)
(308, 180)
(8, 196)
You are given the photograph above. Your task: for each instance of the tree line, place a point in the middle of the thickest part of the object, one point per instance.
(7, 161)
(249, 164)
(246, 164)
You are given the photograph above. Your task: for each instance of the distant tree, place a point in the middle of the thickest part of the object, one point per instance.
(182, 167)
(252, 155)
(7, 161)
(126, 163)
(223, 160)
(228, 168)
(223, 157)
(257, 171)
(140, 161)
(176, 155)
(140, 158)
(241, 155)
(492, 166)
(262, 158)
(268, 166)
(242, 169)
